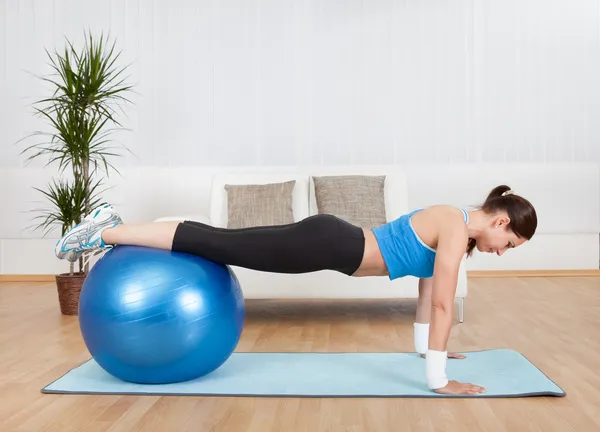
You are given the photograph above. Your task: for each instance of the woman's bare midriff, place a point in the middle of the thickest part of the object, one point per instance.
(372, 263)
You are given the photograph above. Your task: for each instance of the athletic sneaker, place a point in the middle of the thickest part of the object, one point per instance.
(87, 235)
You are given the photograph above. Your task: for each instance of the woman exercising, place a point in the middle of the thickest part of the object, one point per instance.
(428, 243)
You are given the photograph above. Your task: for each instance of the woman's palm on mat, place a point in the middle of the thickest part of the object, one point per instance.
(455, 387)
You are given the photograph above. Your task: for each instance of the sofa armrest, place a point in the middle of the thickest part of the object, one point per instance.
(191, 217)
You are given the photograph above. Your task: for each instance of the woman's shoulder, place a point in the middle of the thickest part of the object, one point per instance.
(434, 214)
(444, 212)
(437, 219)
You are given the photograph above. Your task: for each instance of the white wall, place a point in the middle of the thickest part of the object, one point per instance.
(303, 83)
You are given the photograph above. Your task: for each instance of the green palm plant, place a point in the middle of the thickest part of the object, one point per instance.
(88, 90)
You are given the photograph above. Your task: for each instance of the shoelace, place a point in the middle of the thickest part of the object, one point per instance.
(87, 255)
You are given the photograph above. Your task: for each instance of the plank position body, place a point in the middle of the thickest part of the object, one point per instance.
(426, 243)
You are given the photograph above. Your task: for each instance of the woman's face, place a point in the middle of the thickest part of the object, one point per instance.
(497, 237)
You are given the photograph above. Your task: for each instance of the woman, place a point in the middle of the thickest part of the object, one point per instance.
(427, 243)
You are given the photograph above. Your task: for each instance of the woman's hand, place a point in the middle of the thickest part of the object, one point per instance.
(451, 355)
(456, 356)
(454, 387)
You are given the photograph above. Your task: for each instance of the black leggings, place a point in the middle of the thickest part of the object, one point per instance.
(319, 242)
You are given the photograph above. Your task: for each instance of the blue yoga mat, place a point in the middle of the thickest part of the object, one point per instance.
(503, 372)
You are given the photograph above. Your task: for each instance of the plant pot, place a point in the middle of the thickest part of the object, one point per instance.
(69, 288)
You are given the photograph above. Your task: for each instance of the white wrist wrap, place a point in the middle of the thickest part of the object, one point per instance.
(421, 337)
(436, 369)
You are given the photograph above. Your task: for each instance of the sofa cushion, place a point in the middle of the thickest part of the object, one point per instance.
(259, 204)
(358, 199)
(253, 176)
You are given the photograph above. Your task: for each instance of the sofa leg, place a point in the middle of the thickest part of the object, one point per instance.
(461, 309)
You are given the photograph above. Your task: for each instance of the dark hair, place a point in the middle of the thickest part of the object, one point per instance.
(523, 218)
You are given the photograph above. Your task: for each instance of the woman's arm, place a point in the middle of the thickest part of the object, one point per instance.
(424, 301)
(452, 243)
(423, 317)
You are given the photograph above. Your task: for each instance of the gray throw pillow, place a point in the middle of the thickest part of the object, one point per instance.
(358, 199)
(259, 205)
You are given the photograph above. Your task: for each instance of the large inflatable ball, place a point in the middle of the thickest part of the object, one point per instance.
(154, 316)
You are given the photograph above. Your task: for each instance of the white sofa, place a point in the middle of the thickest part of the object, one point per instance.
(323, 284)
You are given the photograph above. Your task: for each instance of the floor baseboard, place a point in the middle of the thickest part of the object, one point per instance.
(26, 278)
(531, 273)
(470, 274)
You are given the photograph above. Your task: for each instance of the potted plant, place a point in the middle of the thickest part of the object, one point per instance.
(88, 87)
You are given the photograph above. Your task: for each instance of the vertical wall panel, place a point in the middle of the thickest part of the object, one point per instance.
(302, 82)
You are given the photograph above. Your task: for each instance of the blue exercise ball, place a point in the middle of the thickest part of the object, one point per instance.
(153, 316)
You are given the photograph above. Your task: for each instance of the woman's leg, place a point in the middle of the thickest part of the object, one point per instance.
(155, 234)
(316, 243)
(312, 244)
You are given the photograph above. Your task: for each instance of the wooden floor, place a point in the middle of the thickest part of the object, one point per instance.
(555, 322)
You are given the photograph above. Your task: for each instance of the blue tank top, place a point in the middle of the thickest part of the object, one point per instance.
(404, 253)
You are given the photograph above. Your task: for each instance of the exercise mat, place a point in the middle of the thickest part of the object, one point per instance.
(503, 372)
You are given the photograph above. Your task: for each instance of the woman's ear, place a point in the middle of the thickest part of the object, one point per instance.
(501, 221)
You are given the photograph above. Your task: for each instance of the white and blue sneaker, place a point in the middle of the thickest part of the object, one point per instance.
(87, 235)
